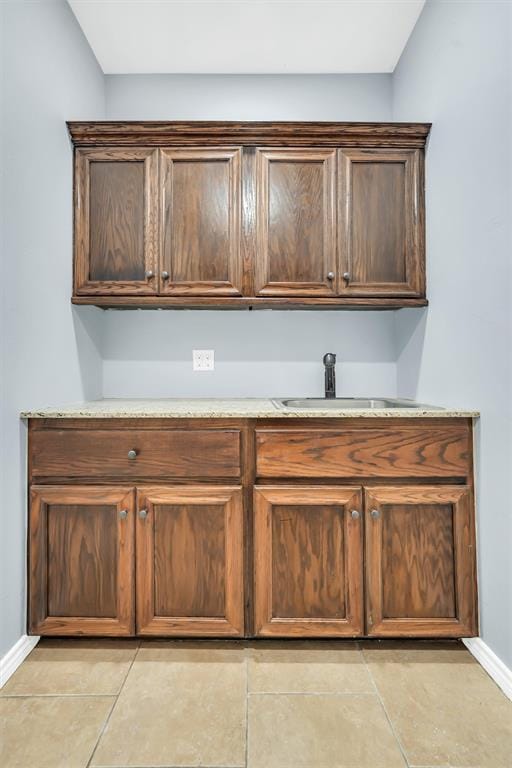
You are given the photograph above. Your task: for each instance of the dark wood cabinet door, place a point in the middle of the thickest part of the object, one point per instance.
(420, 561)
(308, 561)
(295, 222)
(381, 222)
(116, 221)
(189, 542)
(201, 222)
(81, 569)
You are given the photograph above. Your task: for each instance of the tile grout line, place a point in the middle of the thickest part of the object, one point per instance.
(116, 699)
(59, 696)
(312, 693)
(246, 708)
(388, 718)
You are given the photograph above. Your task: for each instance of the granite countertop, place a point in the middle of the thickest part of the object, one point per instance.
(263, 408)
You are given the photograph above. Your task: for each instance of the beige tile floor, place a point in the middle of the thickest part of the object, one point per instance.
(113, 704)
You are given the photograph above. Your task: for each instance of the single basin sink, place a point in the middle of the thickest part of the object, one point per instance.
(341, 403)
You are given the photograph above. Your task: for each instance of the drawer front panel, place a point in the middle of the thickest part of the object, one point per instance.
(154, 453)
(351, 453)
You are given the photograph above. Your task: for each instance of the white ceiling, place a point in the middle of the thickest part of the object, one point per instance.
(247, 36)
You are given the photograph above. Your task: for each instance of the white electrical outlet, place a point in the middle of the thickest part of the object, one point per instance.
(203, 359)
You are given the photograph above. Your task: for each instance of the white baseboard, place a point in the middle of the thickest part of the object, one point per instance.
(13, 658)
(493, 665)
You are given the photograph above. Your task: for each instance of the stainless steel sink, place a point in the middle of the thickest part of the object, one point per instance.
(320, 403)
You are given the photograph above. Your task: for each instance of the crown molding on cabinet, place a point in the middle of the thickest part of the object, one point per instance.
(281, 134)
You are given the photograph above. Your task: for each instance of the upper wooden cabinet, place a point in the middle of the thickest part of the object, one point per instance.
(381, 222)
(201, 222)
(295, 222)
(249, 214)
(116, 222)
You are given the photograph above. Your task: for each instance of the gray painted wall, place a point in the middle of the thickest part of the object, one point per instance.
(257, 353)
(248, 97)
(48, 351)
(260, 353)
(456, 71)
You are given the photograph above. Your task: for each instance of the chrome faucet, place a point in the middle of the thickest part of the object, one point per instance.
(330, 375)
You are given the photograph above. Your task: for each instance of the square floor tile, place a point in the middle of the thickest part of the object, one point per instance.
(182, 704)
(54, 732)
(445, 710)
(308, 667)
(320, 731)
(73, 666)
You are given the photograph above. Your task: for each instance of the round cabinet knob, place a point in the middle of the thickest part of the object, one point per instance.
(149, 274)
(346, 276)
(132, 454)
(330, 275)
(355, 514)
(375, 514)
(123, 514)
(165, 275)
(143, 513)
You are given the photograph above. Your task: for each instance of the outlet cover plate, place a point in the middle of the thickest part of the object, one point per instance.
(203, 359)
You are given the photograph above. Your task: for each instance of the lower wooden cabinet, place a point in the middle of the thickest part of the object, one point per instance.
(81, 560)
(308, 561)
(317, 554)
(420, 561)
(190, 561)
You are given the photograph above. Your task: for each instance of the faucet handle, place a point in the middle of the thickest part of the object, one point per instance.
(330, 358)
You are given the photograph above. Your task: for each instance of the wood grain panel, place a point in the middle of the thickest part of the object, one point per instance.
(378, 223)
(159, 453)
(381, 228)
(82, 560)
(201, 222)
(437, 451)
(308, 561)
(308, 569)
(81, 553)
(295, 222)
(420, 561)
(190, 561)
(116, 222)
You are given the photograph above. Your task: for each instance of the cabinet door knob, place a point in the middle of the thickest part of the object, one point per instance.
(143, 513)
(132, 454)
(123, 514)
(346, 276)
(355, 514)
(375, 514)
(330, 275)
(149, 274)
(165, 275)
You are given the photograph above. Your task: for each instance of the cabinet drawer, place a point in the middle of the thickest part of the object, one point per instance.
(158, 453)
(352, 453)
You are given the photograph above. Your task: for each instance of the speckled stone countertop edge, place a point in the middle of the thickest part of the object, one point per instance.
(260, 408)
